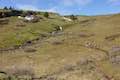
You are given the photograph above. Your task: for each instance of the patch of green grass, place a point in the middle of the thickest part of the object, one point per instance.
(13, 35)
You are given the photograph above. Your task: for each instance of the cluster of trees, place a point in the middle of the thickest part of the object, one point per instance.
(8, 8)
(13, 12)
(7, 12)
(10, 11)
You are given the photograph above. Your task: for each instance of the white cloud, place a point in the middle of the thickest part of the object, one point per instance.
(63, 7)
(76, 2)
(27, 7)
(114, 2)
(53, 9)
(34, 8)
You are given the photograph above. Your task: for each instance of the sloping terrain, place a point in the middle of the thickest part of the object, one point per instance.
(87, 50)
(15, 31)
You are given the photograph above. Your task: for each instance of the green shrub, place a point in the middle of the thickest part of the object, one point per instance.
(46, 14)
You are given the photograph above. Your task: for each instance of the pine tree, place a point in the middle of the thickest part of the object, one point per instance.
(10, 8)
(5, 8)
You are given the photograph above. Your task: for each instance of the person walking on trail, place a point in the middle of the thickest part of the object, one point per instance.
(61, 28)
(58, 28)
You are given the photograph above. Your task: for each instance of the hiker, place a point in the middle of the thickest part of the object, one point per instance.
(58, 28)
(61, 28)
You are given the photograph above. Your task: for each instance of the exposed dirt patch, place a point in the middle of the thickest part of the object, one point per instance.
(20, 24)
(112, 37)
(114, 55)
(4, 21)
(30, 50)
(87, 22)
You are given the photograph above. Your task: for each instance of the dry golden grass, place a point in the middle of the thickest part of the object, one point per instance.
(67, 57)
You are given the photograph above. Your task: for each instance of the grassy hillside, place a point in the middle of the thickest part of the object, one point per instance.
(12, 34)
(87, 50)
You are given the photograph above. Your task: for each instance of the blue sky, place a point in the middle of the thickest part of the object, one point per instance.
(79, 7)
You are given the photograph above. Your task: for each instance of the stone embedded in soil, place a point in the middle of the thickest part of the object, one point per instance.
(30, 50)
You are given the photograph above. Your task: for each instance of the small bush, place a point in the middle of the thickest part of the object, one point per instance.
(3, 75)
(46, 14)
